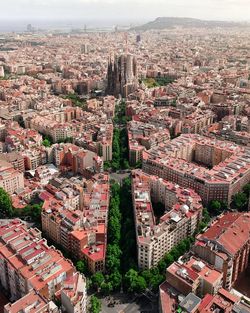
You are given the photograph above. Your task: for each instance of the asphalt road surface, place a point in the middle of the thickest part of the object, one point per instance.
(118, 177)
(129, 305)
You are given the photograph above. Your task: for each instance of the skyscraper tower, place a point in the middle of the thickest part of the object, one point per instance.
(122, 75)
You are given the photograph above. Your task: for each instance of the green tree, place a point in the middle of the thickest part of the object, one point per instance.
(150, 82)
(215, 207)
(95, 305)
(158, 81)
(113, 255)
(6, 210)
(31, 210)
(46, 143)
(169, 259)
(81, 266)
(181, 247)
(36, 211)
(205, 220)
(175, 253)
(106, 288)
(76, 100)
(156, 281)
(114, 232)
(115, 280)
(246, 190)
(162, 265)
(152, 277)
(97, 280)
(147, 274)
(240, 201)
(140, 285)
(134, 282)
(126, 164)
(115, 190)
(106, 165)
(205, 216)
(120, 140)
(47, 140)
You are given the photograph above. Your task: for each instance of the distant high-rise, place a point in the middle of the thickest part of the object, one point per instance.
(138, 38)
(1, 71)
(85, 48)
(30, 28)
(122, 75)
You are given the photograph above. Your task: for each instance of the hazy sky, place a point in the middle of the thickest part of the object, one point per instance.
(124, 9)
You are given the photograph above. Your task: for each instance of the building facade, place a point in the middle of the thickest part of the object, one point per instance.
(33, 273)
(155, 237)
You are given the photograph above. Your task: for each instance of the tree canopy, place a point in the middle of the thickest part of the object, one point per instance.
(46, 143)
(97, 280)
(95, 305)
(134, 282)
(31, 210)
(6, 210)
(216, 207)
(81, 266)
(240, 201)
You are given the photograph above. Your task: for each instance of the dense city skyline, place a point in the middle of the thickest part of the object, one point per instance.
(124, 156)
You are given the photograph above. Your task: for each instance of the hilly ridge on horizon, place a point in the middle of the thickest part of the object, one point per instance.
(170, 22)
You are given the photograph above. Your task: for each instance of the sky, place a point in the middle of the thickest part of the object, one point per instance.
(122, 11)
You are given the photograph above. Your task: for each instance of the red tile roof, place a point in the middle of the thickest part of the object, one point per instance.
(231, 231)
(95, 255)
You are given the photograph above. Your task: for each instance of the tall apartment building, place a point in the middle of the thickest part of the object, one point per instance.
(76, 159)
(194, 276)
(15, 158)
(73, 294)
(81, 228)
(34, 158)
(1, 71)
(208, 276)
(19, 139)
(196, 121)
(143, 136)
(10, 179)
(183, 212)
(49, 126)
(33, 273)
(226, 245)
(222, 301)
(104, 149)
(214, 169)
(32, 302)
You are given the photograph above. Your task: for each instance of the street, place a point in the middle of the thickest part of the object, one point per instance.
(118, 177)
(125, 304)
